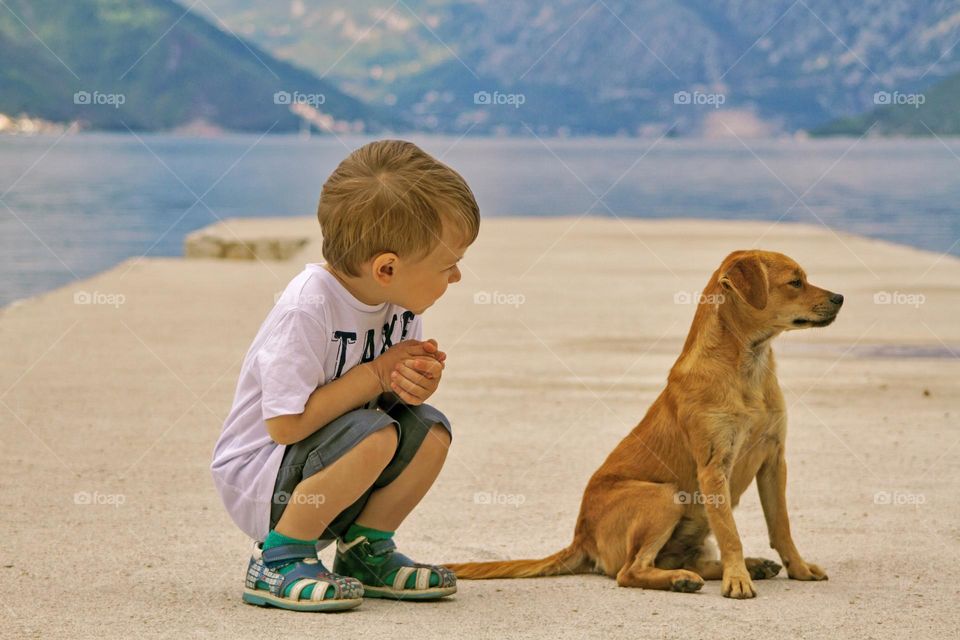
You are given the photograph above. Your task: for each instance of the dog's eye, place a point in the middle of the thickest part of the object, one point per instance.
(796, 284)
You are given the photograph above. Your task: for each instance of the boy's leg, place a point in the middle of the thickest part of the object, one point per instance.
(367, 551)
(389, 505)
(319, 477)
(317, 500)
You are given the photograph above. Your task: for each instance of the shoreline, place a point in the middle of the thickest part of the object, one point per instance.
(96, 200)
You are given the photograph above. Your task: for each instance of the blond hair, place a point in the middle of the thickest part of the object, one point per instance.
(390, 195)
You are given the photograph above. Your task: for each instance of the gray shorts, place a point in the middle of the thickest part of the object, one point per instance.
(326, 445)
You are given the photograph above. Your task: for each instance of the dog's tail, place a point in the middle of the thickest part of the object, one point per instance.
(565, 562)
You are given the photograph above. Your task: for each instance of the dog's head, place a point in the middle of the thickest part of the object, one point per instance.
(771, 291)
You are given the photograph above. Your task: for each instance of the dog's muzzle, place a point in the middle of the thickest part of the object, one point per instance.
(823, 318)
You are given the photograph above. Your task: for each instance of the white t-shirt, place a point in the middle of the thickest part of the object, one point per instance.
(316, 332)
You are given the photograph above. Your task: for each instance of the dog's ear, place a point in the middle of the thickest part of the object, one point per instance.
(748, 279)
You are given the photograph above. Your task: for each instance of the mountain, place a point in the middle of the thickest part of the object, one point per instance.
(153, 65)
(933, 111)
(363, 42)
(611, 66)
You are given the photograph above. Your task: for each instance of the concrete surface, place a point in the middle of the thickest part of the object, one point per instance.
(113, 391)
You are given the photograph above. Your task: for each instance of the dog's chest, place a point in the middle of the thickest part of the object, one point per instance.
(759, 434)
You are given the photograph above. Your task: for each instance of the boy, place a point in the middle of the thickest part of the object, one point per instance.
(329, 437)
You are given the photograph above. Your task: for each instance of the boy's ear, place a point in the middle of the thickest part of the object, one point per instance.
(384, 266)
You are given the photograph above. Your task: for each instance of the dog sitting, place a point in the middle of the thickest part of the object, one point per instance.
(719, 423)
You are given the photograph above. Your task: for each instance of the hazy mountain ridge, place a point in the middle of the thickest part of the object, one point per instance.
(613, 66)
(488, 66)
(146, 64)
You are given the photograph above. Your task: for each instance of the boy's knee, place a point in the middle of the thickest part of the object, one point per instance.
(435, 444)
(438, 436)
(383, 443)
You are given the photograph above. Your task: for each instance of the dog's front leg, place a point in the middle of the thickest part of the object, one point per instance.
(772, 486)
(713, 477)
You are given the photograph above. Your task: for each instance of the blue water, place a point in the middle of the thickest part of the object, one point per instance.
(76, 205)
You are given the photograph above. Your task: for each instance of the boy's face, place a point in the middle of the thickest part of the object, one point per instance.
(416, 285)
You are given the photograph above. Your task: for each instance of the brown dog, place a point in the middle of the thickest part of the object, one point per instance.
(719, 423)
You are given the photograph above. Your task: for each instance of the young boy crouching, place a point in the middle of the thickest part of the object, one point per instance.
(329, 437)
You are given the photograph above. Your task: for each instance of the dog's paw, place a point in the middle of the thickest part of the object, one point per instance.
(737, 584)
(762, 569)
(805, 571)
(686, 582)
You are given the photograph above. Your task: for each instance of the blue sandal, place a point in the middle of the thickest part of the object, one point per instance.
(348, 592)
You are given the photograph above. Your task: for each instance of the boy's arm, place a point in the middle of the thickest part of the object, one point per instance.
(355, 388)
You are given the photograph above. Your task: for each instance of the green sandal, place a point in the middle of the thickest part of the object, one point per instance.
(353, 559)
(347, 592)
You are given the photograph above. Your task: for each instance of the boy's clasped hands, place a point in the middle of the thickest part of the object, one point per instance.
(411, 369)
